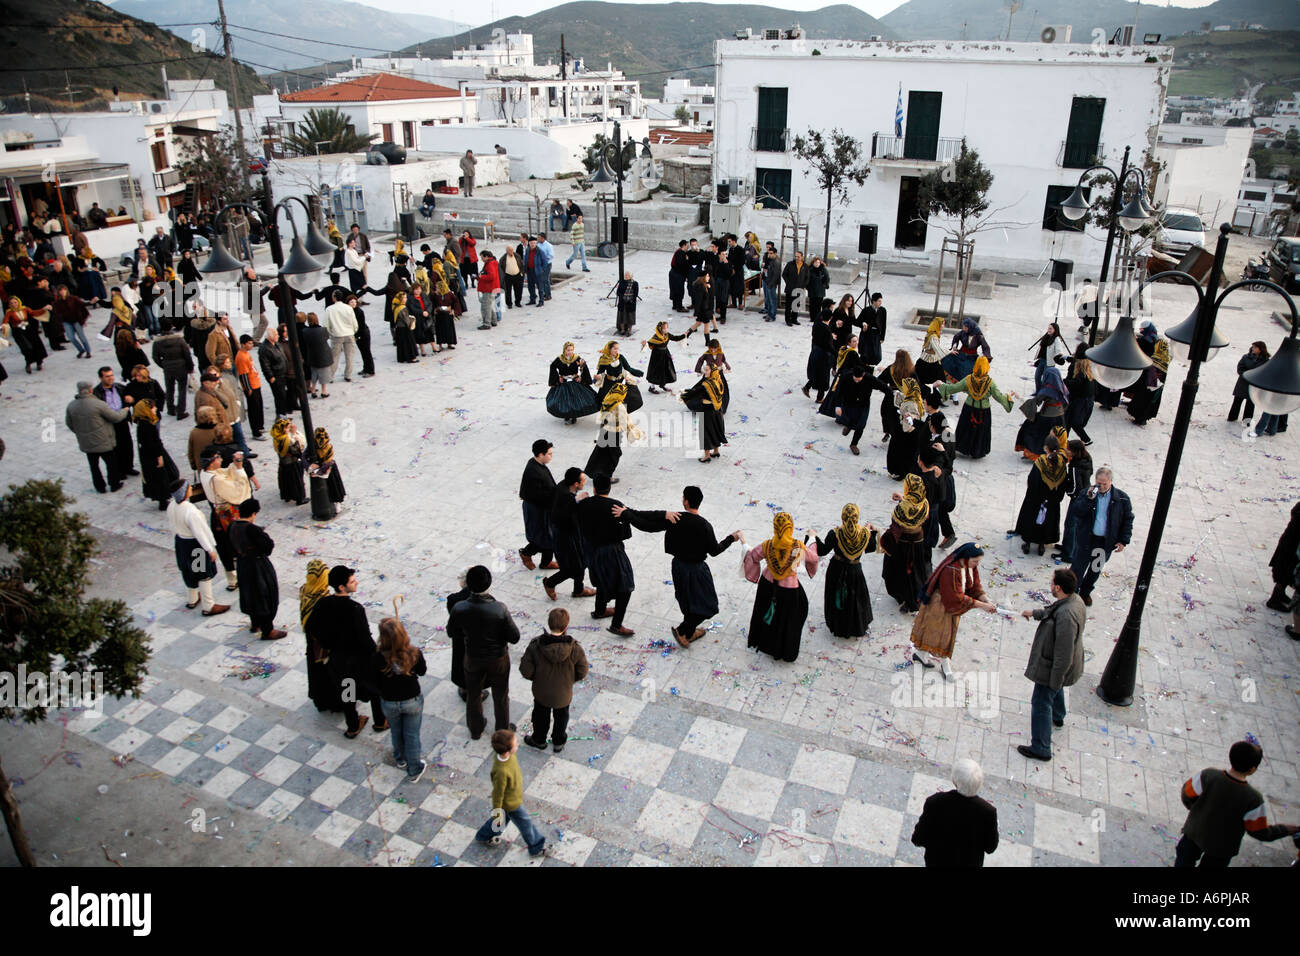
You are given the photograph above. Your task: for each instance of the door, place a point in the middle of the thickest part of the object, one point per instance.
(907, 233)
(408, 134)
(1083, 138)
(921, 139)
(386, 135)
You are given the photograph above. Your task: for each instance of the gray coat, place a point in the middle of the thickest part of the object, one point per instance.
(1056, 658)
(92, 421)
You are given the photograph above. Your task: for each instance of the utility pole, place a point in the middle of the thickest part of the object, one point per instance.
(234, 102)
(564, 75)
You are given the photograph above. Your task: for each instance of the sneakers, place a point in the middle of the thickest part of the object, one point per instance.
(416, 778)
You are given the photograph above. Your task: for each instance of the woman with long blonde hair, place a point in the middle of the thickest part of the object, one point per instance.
(396, 669)
(1083, 390)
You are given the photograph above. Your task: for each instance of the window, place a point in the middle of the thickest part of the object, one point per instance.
(772, 187)
(1254, 195)
(770, 134)
(1052, 217)
(1189, 141)
(1181, 221)
(386, 134)
(1083, 139)
(159, 151)
(408, 134)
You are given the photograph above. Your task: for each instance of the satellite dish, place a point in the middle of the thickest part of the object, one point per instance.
(1048, 35)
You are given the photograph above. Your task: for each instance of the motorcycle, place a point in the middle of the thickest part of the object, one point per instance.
(1255, 270)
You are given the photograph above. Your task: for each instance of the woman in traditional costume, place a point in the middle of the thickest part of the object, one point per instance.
(975, 423)
(26, 332)
(952, 590)
(1050, 402)
(969, 341)
(908, 429)
(613, 369)
(891, 380)
(1145, 393)
(615, 430)
(660, 370)
(848, 600)
(322, 689)
(708, 399)
(571, 396)
(328, 466)
(780, 606)
(907, 557)
(404, 330)
(290, 447)
(715, 359)
(846, 360)
(158, 472)
(1039, 521)
(819, 356)
(447, 309)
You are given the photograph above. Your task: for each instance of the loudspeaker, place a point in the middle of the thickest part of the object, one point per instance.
(867, 238)
(1062, 269)
(618, 229)
(724, 193)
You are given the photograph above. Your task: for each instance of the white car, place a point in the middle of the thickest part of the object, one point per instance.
(1179, 230)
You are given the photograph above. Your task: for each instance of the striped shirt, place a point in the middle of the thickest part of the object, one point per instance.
(1222, 810)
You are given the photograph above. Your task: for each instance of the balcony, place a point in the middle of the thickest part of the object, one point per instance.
(1079, 155)
(764, 140)
(917, 152)
(168, 180)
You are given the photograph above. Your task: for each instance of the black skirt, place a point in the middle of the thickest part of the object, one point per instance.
(928, 372)
(157, 479)
(194, 563)
(334, 482)
(424, 330)
(660, 370)
(405, 342)
(322, 689)
(603, 460)
(900, 456)
(819, 369)
(1033, 435)
(634, 399)
(568, 552)
(571, 399)
(444, 327)
(848, 600)
(537, 526)
(905, 569)
(713, 428)
(693, 588)
(975, 431)
(776, 623)
(1040, 498)
(292, 487)
(610, 569)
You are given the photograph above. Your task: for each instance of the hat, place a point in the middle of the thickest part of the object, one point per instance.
(478, 579)
(207, 458)
(340, 574)
(179, 489)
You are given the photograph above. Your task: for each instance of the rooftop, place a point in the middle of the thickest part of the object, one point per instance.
(950, 50)
(376, 88)
(679, 137)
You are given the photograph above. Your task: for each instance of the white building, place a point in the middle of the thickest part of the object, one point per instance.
(1258, 200)
(150, 137)
(679, 92)
(1203, 168)
(1037, 113)
(385, 105)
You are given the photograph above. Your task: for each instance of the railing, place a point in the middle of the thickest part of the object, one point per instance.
(167, 179)
(765, 140)
(1075, 154)
(939, 149)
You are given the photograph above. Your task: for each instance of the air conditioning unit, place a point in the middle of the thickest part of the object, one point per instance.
(794, 33)
(875, 38)
(739, 187)
(1124, 36)
(771, 34)
(1056, 34)
(745, 34)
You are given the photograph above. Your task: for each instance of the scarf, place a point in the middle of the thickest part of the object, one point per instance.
(615, 396)
(845, 352)
(323, 447)
(144, 411)
(714, 347)
(612, 406)
(399, 249)
(1052, 467)
(978, 382)
(317, 587)
(121, 310)
(911, 392)
(911, 512)
(934, 328)
(714, 389)
(422, 280)
(660, 337)
(968, 550)
(563, 360)
(281, 437)
(1160, 357)
(605, 357)
(1053, 389)
(852, 536)
(450, 258)
(336, 237)
(781, 551)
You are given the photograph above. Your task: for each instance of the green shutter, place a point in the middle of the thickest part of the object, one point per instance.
(922, 134)
(1083, 139)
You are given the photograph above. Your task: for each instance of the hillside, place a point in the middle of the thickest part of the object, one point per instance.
(650, 41)
(1224, 64)
(338, 22)
(987, 19)
(51, 45)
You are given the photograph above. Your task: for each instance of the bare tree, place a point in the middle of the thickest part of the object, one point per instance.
(835, 160)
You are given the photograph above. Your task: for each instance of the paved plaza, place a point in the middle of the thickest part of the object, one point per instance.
(712, 755)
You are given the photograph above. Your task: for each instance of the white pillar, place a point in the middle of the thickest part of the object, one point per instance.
(463, 104)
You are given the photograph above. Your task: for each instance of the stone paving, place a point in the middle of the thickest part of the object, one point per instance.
(713, 755)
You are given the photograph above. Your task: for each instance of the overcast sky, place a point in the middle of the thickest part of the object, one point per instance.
(487, 11)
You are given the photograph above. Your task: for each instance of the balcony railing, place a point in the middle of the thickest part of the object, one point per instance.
(936, 149)
(765, 140)
(167, 179)
(1075, 154)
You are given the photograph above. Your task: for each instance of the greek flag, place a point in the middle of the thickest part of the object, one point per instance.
(898, 113)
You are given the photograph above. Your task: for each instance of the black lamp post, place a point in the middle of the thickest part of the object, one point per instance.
(1131, 217)
(611, 155)
(299, 272)
(1274, 386)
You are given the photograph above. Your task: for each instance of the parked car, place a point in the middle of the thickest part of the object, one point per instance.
(1283, 262)
(1179, 230)
(391, 154)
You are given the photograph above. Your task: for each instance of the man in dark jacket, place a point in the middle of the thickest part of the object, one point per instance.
(679, 274)
(566, 538)
(795, 276)
(771, 284)
(1055, 661)
(485, 625)
(317, 353)
(176, 360)
(276, 368)
(554, 662)
(736, 259)
(537, 492)
(346, 635)
(115, 396)
(1105, 516)
(162, 247)
(93, 422)
(957, 827)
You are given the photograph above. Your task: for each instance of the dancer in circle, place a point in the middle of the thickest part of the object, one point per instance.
(660, 370)
(571, 396)
(819, 356)
(780, 605)
(953, 589)
(613, 369)
(929, 364)
(975, 423)
(709, 399)
(847, 604)
(907, 557)
(968, 342)
(1039, 521)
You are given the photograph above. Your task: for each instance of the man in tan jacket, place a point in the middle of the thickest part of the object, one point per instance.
(220, 342)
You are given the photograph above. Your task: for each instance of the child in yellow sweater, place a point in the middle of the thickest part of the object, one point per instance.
(508, 797)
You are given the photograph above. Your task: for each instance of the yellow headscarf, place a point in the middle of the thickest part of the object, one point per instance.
(605, 357)
(1052, 466)
(399, 248)
(661, 334)
(911, 392)
(422, 280)
(781, 551)
(317, 587)
(845, 352)
(1062, 436)
(567, 346)
(121, 309)
(450, 258)
(714, 389)
(911, 512)
(1160, 356)
(978, 381)
(144, 411)
(323, 447)
(615, 396)
(935, 327)
(336, 237)
(280, 436)
(853, 537)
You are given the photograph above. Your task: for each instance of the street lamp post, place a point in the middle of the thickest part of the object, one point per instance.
(1118, 363)
(612, 155)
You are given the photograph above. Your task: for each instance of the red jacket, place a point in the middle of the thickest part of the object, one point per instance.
(489, 279)
(467, 253)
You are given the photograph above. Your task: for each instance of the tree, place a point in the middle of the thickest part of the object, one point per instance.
(682, 115)
(212, 164)
(958, 192)
(835, 162)
(327, 131)
(47, 624)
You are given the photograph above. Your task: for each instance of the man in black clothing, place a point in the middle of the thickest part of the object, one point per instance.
(736, 259)
(795, 276)
(689, 538)
(679, 275)
(334, 292)
(603, 534)
(115, 396)
(957, 827)
(176, 360)
(163, 248)
(571, 213)
(872, 339)
(362, 338)
(566, 537)
(276, 369)
(485, 625)
(720, 269)
(537, 492)
(345, 632)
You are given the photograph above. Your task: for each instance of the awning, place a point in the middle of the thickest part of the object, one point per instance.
(76, 174)
(180, 130)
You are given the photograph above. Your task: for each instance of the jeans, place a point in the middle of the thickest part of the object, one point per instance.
(404, 719)
(770, 301)
(555, 222)
(496, 825)
(1045, 706)
(1267, 424)
(177, 392)
(237, 429)
(544, 281)
(534, 284)
(148, 318)
(579, 252)
(1188, 853)
(490, 674)
(77, 336)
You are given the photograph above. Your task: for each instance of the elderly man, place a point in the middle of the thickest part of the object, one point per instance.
(1055, 661)
(275, 368)
(957, 827)
(1105, 525)
(468, 164)
(93, 422)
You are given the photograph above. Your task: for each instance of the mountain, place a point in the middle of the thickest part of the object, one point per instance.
(648, 41)
(350, 29)
(1227, 63)
(988, 19)
(91, 48)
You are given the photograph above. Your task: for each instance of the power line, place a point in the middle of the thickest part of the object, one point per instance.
(287, 36)
(104, 66)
